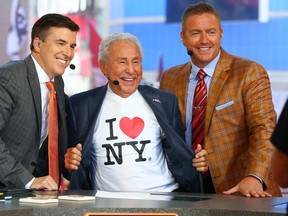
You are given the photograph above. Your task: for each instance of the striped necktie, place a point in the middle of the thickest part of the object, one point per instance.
(53, 159)
(198, 110)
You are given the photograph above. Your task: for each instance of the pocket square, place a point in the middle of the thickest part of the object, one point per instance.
(224, 105)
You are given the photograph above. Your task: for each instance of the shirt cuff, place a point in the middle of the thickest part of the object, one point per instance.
(261, 181)
(28, 185)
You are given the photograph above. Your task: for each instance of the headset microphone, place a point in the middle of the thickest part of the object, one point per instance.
(189, 52)
(72, 66)
(115, 82)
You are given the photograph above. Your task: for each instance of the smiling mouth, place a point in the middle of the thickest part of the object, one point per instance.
(128, 79)
(64, 62)
(204, 48)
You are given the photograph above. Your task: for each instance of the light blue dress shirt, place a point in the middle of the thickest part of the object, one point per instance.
(193, 79)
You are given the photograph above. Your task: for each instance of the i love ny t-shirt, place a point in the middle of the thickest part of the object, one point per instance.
(127, 149)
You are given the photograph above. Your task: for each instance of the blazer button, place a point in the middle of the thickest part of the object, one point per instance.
(33, 164)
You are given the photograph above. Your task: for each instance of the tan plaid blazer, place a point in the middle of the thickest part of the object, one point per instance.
(240, 119)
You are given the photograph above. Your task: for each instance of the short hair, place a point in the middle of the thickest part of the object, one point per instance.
(106, 42)
(41, 26)
(198, 9)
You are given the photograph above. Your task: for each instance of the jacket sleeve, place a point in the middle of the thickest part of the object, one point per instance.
(13, 174)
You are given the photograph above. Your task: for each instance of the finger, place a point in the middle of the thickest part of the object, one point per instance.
(50, 184)
(267, 194)
(261, 194)
(202, 153)
(74, 150)
(198, 160)
(201, 167)
(71, 164)
(230, 191)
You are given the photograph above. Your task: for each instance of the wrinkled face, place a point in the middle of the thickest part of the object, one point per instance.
(55, 52)
(202, 36)
(124, 65)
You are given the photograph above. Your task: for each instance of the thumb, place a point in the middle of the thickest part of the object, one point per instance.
(79, 146)
(198, 149)
(230, 191)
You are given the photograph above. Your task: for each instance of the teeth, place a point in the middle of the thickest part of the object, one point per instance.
(204, 48)
(62, 61)
(128, 79)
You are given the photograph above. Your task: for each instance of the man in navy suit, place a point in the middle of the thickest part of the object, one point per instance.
(132, 135)
(24, 100)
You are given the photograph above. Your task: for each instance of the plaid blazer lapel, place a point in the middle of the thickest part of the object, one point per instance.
(219, 78)
(182, 90)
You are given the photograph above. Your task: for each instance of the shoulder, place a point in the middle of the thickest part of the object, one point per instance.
(237, 62)
(177, 70)
(87, 95)
(146, 90)
(13, 75)
(12, 67)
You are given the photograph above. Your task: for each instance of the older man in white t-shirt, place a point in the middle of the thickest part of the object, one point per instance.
(132, 135)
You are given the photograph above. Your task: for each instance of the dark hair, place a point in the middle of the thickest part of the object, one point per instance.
(198, 9)
(41, 26)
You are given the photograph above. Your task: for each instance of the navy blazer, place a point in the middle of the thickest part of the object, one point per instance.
(82, 113)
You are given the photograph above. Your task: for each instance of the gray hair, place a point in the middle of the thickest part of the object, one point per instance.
(106, 42)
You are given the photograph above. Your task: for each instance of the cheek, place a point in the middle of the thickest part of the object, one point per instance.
(139, 71)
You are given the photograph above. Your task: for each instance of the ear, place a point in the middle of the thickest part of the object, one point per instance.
(36, 44)
(102, 67)
(182, 38)
(221, 32)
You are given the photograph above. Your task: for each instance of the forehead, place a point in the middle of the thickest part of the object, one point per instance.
(61, 33)
(121, 48)
(202, 20)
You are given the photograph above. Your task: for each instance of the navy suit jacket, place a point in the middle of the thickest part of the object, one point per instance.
(82, 113)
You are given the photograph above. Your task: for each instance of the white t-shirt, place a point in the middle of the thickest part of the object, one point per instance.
(127, 142)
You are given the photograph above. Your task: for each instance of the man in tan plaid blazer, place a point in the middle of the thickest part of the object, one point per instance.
(240, 116)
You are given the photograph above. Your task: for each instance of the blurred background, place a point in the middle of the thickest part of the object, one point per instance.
(254, 29)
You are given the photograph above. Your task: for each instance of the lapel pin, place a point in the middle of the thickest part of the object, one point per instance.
(156, 100)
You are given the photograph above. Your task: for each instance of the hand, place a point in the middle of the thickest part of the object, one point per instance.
(44, 183)
(72, 157)
(200, 162)
(249, 187)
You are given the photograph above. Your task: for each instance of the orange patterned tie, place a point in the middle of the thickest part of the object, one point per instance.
(53, 133)
(198, 110)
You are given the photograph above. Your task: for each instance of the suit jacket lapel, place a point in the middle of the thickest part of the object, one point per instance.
(218, 80)
(182, 90)
(59, 88)
(35, 88)
(153, 99)
(94, 106)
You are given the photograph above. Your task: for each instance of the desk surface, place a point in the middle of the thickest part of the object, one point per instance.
(180, 203)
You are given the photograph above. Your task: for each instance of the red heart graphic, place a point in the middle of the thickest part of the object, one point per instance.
(131, 127)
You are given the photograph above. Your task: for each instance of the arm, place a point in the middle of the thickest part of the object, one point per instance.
(13, 173)
(73, 156)
(260, 121)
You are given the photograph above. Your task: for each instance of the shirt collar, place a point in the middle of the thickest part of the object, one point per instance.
(43, 77)
(209, 69)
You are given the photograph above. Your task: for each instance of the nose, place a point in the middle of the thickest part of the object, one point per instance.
(69, 52)
(204, 38)
(130, 68)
